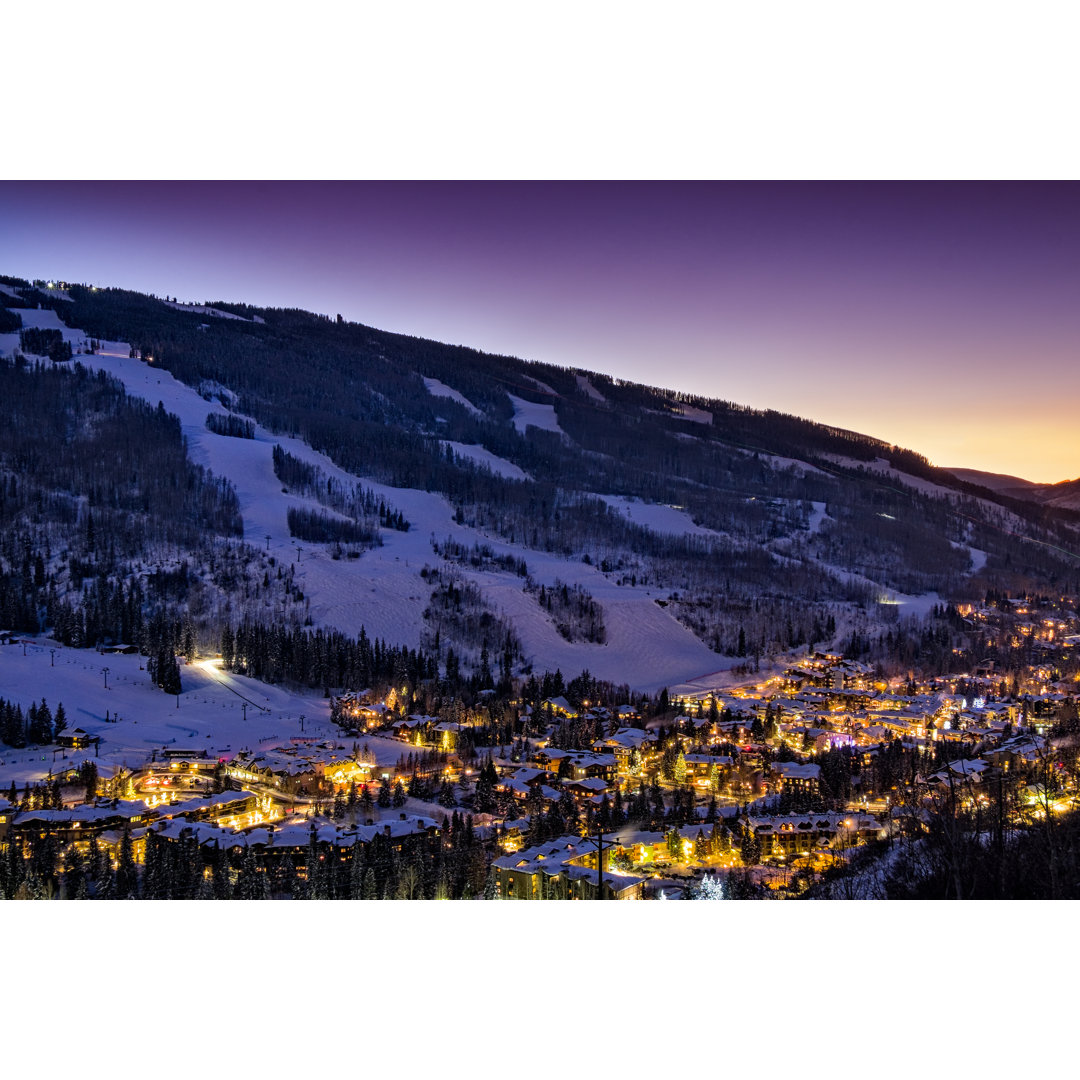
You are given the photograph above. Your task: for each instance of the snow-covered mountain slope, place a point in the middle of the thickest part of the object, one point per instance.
(737, 520)
(659, 518)
(486, 459)
(533, 414)
(439, 389)
(383, 591)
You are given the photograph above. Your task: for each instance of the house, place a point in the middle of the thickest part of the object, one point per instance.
(562, 869)
(576, 764)
(792, 834)
(76, 740)
(561, 708)
(789, 775)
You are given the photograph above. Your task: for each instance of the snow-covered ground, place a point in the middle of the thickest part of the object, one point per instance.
(590, 390)
(382, 591)
(656, 516)
(818, 517)
(541, 385)
(210, 716)
(698, 416)
(529, 414)
(42, 319)
(201, 309)
(482, 456)
(978, 558)
(439, 389)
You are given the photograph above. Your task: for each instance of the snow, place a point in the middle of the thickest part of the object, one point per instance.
(210, 716)
(818, 517)
(529, 414)
(541, 385)
(203, 310)
(438, 389)
(42, 319)
(681, 411)
(978, 558)
(656, 516)
(383, 591)
(698, 416)
(590, 390)
(777, 463)
(484, 457)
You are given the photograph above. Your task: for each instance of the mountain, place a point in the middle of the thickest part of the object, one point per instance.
(519, 513)
(1065, 495)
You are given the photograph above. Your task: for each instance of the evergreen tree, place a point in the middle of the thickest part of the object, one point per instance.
(127, 873)
(368, 891)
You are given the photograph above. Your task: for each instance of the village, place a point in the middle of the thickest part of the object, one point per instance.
(758, 789)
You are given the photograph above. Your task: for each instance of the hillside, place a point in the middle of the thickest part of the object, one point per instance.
(563, 518)
(1064, 495)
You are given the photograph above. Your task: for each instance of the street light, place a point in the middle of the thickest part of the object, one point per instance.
(105, 672)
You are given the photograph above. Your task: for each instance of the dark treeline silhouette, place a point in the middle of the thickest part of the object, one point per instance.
(92, 483)
(48, 343)
(227, 424)
(321, 658)
(353, 500)
(38, 724)
(318, 527)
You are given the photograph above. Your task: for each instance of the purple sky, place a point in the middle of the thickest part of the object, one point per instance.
(944, 317)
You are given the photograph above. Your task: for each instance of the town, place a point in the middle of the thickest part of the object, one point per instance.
(803, 783)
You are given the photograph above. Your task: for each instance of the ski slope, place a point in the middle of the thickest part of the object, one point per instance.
(382, 591)
(480, 455)
(590, 390)
(657, 517)
(438, 389)
(210, 714)
(529, 414)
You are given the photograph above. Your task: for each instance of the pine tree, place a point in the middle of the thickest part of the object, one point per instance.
(679, 770)
(248, 886)
(127, 873)
(368, 890)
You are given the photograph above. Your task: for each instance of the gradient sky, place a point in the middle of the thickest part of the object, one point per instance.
(943, 317)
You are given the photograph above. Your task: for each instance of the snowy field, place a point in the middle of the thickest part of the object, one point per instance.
(210, 715)
(439, 389)
(697, 416)
(657, 517)
(217, 313)
(482, 456)
(529, 414)
(818, 517)
(590, 390)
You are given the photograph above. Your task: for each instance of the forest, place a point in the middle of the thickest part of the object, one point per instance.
(342, 386)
